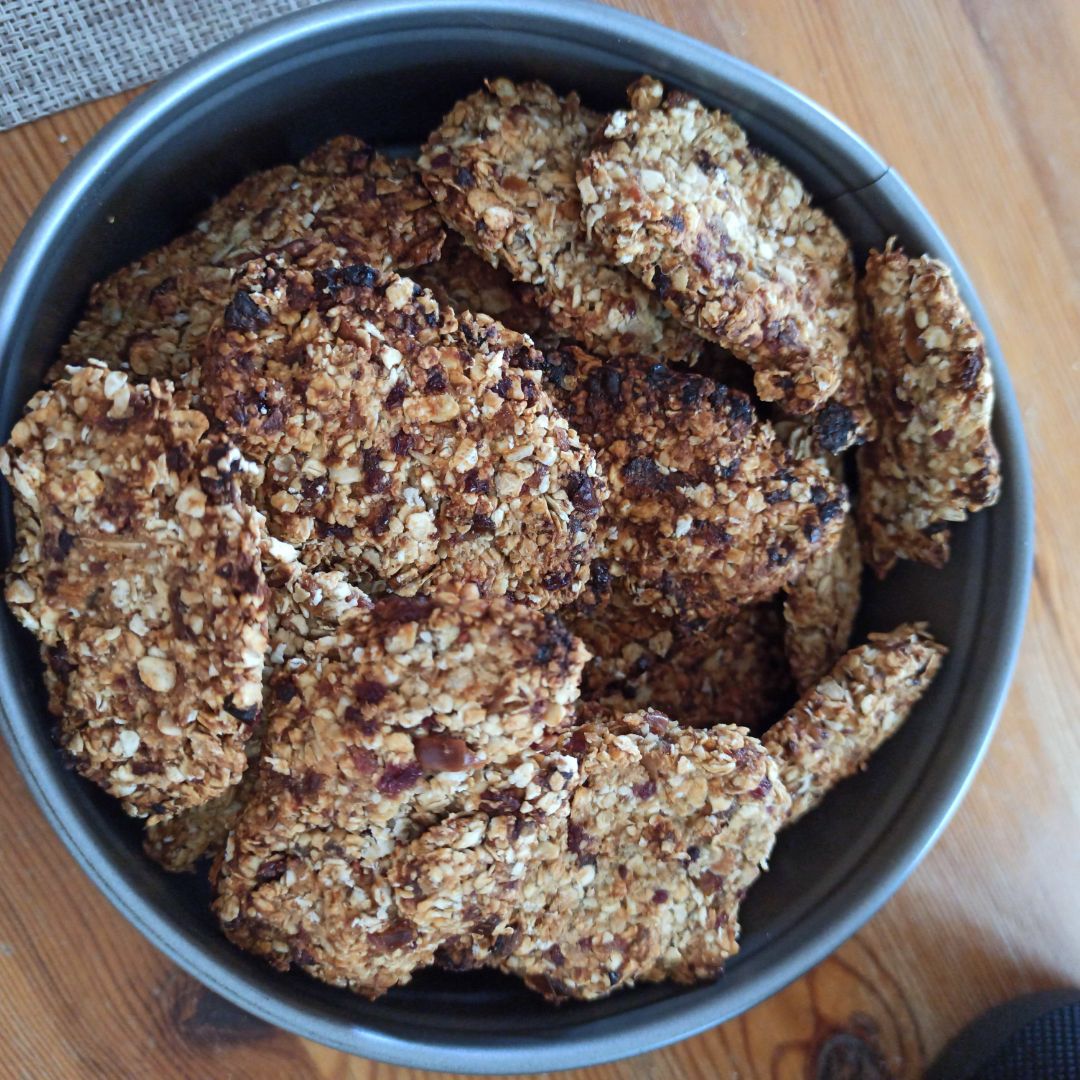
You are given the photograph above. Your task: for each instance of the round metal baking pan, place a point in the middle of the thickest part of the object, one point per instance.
(387, 71)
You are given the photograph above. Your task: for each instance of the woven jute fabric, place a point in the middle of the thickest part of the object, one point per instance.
(59, 53)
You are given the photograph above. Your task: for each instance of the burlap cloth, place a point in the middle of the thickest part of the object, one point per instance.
(58, 53)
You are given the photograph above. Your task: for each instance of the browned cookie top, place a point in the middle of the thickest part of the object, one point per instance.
(727, 237)
(502, 168)
(725, 670)
(151, 317)
(138, 569)
(400, 443)
(705, 508)
(668, 828)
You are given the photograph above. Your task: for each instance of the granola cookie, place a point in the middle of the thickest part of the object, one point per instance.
(400, 443)
(151, 317)
(362, 904)
(668, 828)
(418, 690)
(933, 391)
(837, 724)
(727, 670)
(304, 606)
(705, 509)
(177, 843)
(727, 238)
(420, 714)
(138, 570)
(502, 170)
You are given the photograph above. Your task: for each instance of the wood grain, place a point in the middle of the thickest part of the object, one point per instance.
(977, 104)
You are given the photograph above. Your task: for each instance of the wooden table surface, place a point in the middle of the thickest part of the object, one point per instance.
(977, 104)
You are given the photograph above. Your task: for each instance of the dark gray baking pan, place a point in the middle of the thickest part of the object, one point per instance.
(387, 71)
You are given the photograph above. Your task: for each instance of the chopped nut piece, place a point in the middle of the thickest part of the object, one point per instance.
(151, 317)
(668, 828)
(933, 392)
(705, 509)
(502, 170)
(399, 444)
(152, 620)
(835, 727)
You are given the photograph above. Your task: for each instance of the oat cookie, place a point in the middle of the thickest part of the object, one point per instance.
(400, 443)
(668, 828)
(363, 905)
(151, 317)
(933, 391)
(820, 605)
(705, 509)
(727, 670)
(837, 724)
(727, 237)
(304, 606)
(502, 170)
(413, 717)
(422, 687)
(138, 570)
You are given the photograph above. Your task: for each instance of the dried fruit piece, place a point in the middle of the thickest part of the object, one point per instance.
(138, 570)
(502, 170)
(399, 443)
(668, 828)
(933, 392)
(705, 509)
(728, 239)
(835, 727)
